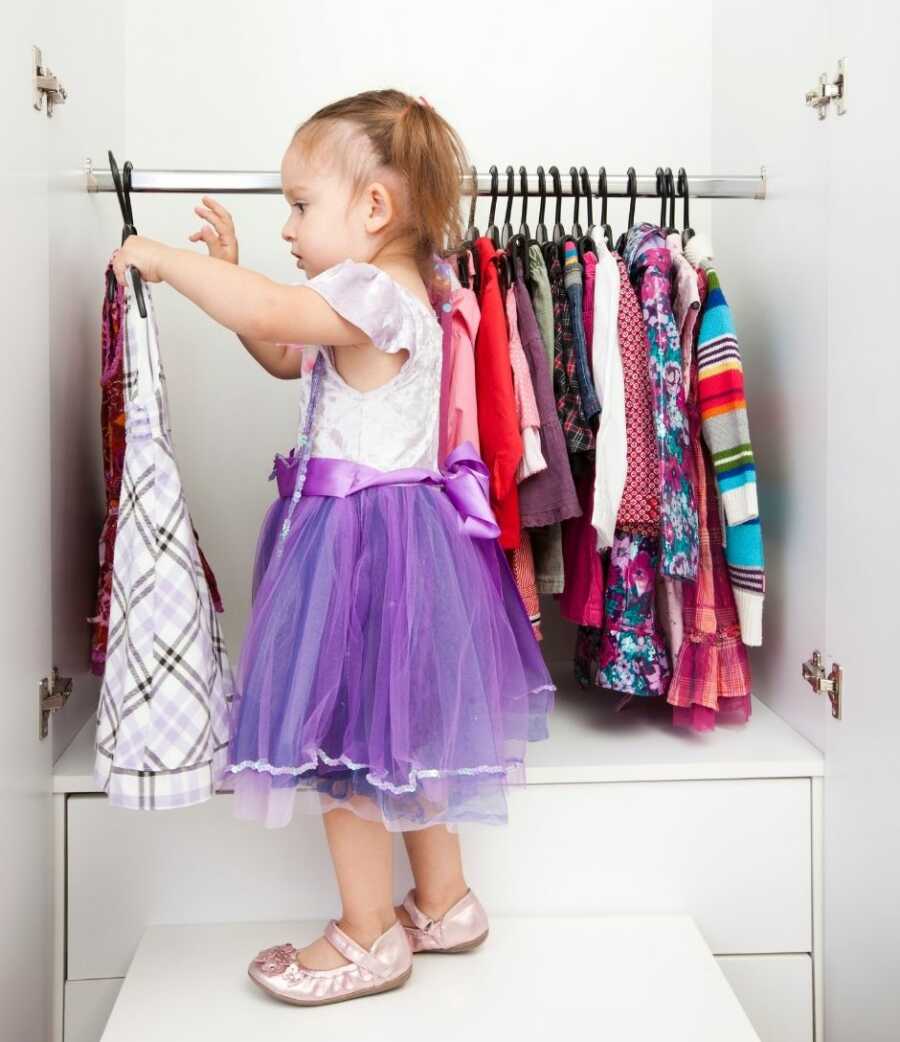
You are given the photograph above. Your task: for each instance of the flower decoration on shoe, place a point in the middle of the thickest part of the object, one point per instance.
(275, 960)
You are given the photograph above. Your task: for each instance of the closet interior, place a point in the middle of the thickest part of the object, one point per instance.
(693, 806)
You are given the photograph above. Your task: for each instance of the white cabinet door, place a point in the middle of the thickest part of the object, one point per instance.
(25, 761)
(862, 783)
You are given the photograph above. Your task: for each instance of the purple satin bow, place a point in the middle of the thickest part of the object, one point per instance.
(464, 477)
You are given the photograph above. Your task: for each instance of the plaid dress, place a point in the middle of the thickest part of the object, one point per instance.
(578, 432)
(112, 430)
(162, 720)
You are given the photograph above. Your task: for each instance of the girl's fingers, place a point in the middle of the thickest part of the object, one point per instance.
(218, 209)
(213, 219)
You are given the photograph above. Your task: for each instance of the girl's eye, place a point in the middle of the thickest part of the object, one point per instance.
(302, 206)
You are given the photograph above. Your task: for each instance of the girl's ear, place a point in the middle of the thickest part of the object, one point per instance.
(378, 207)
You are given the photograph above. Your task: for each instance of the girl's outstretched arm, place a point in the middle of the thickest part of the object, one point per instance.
(244, 301)
(255, 306)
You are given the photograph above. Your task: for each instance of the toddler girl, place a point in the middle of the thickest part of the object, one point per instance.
(389, 678)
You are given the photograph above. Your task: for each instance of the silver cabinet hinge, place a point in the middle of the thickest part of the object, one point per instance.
(46, 85)
(53, 693)
(826, 92)
(831, 685)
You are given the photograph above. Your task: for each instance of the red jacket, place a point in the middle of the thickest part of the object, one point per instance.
(498, 421)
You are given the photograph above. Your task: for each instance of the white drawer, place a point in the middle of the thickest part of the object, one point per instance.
(734, 854)
(88, 1005)
(776, 992)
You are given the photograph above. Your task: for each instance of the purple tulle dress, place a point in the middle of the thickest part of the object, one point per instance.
(389, 666)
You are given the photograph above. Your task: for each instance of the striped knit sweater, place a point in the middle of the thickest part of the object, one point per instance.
(723, 411)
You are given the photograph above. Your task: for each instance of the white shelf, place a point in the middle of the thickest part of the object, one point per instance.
(591, 742)
(532, 979)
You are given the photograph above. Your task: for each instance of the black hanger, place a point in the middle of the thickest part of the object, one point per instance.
(493, 232)
(517, 248)
(670, 191)
(684, 191)
(554, 248)
(523, 189)
(124, 196)
(467, 246)
(576, 232)
(588, 243)
(518, 245)
(663, 195)
(540, 232)
(469, 236)
(507, 231)
(472, 232)
(603, 192)
(632, 195)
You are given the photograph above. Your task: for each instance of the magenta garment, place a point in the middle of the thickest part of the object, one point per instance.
(632, 655)
(581, 600)
(590, 280)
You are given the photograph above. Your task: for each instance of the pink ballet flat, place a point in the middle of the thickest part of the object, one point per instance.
(386, 965)
(461, 928)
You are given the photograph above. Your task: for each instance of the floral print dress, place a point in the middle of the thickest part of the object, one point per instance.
(650, 264)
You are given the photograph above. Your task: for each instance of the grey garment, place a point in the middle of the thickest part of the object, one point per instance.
(542, 300)
(590, 406)
(546, 547)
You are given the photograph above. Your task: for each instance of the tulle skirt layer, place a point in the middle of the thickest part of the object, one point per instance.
(389, 667)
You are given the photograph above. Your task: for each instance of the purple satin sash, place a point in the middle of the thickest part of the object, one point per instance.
(464, 477)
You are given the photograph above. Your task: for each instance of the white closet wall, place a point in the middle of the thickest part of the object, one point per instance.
(771, 264)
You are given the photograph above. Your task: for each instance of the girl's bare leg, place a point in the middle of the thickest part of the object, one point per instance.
(362, 855)
(436, 862)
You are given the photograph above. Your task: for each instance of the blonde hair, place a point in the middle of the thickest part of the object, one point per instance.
(389, 135)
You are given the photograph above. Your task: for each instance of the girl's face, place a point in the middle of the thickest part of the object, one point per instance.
(323, 228)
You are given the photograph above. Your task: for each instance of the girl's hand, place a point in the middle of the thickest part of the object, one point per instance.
(218, 235)
(141, 253)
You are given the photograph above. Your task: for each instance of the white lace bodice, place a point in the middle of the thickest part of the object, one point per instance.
(394, 425)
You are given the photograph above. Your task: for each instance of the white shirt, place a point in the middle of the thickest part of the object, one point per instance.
(394, 425)
(609, 381)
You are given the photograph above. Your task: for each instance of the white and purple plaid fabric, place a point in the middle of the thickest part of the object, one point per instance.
(162, 721)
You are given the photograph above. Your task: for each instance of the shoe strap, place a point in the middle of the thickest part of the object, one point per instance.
(353, 951)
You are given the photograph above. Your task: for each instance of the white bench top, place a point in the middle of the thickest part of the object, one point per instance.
(622, 978)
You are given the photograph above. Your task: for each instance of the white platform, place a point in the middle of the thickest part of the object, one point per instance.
(622, 978)
(591, 742)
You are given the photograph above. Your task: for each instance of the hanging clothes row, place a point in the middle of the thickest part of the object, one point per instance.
(604, 389)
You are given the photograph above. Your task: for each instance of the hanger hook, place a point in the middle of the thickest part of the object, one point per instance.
(510, 192)
(523, 188)
(557, 190)
(632, 194)
(670, 192)
(542, 192)
(603, 193)
(576, 192)
(473, 170)
(495, 177)
(661, 192)
(685, 192)
(588, 195)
